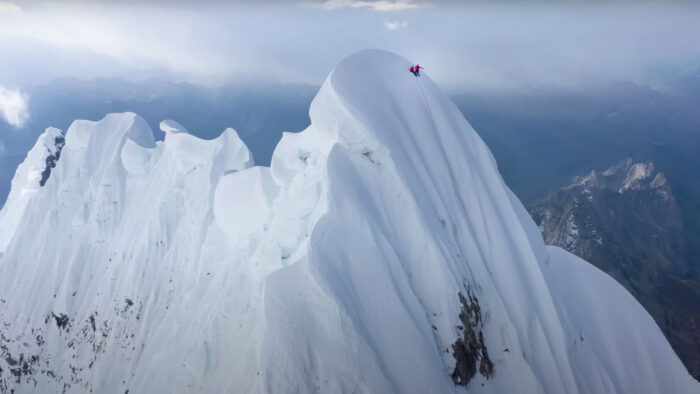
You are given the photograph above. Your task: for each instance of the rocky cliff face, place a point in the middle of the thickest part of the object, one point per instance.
(626, 221)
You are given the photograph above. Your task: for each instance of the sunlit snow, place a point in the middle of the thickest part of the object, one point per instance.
(178, 266)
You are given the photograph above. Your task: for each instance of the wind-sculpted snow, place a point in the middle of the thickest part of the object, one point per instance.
(31, 175)
(381, 252)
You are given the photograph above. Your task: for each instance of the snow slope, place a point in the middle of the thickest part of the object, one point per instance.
(381, 252)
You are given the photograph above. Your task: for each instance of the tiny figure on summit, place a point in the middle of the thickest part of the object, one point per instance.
(415, 70)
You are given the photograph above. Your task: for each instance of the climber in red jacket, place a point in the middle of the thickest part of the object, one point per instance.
(415, 70)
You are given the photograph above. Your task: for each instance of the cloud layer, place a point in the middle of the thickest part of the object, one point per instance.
(13, 107)
(466, 45)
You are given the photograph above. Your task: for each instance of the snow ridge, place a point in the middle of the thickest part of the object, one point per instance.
(30, 176)
(379, 246)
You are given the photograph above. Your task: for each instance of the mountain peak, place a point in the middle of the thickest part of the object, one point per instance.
(622, 177)
(380, 252)
(636, 175)
(630, 225)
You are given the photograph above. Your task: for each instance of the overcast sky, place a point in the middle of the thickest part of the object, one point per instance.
(463, 45)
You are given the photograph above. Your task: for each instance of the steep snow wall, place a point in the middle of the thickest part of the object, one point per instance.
(381, 252)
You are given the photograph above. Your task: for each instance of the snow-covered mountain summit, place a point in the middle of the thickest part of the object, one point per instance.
(381, 252)
(624, 176)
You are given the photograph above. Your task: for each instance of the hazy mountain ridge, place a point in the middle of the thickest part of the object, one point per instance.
(626, 221)
(544, 137)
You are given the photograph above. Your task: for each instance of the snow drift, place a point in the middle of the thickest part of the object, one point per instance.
(381, 252)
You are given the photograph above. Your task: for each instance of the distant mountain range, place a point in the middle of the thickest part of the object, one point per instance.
(626, 221)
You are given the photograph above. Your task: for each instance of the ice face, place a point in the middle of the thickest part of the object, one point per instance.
(242, 201)
(30, 176)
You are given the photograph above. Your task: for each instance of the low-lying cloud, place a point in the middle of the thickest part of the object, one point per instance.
(13, 106)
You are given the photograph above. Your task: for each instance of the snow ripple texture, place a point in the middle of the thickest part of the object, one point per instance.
(178, 266)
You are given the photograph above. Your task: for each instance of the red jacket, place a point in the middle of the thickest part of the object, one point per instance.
(418, 67)
(411, 69)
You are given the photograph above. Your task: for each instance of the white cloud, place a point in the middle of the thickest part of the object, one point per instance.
(9, 7)
(151, 37)
(13, 107)
(377, 5)
(395, 25)
(466, 44)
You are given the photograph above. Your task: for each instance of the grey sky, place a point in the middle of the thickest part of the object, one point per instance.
(470, 45)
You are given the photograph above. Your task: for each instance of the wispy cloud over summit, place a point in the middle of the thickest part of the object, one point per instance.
(395, 25)
(9, 7)
(378, 5)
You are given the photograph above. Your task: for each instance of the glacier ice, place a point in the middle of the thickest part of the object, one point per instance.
(242, 201)
(178, 266)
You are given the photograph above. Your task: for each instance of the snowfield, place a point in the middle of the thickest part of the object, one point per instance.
(381, 252)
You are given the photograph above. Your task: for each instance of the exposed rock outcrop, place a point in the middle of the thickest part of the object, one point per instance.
(625, 220)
